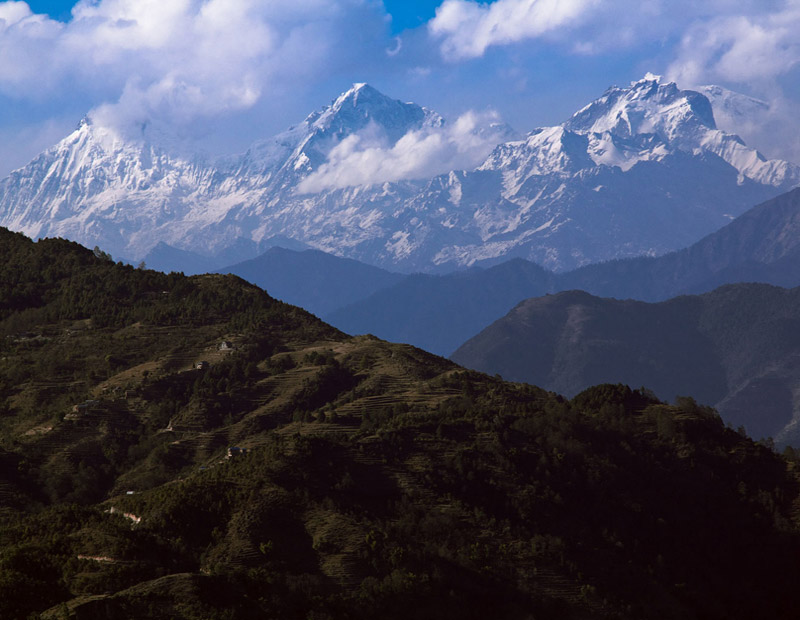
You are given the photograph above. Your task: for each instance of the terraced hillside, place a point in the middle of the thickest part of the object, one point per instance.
(190, 448)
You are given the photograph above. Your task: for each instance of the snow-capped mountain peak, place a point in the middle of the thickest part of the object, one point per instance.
(362, 104)
(646, 106)
(682, 120)
(305, 147)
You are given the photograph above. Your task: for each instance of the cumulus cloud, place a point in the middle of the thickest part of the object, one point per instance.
(740, 48)
(469, 28)
(367, 158)
(174, 61)
(13, 12)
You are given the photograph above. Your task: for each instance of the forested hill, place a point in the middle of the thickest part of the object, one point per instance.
(176, 447)
(734, 348)
(57, 280)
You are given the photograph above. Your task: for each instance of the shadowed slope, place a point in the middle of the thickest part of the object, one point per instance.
(736, 347)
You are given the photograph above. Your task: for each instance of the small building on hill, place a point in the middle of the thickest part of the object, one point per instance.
(235, 452)
(202, 365)
(226, 345)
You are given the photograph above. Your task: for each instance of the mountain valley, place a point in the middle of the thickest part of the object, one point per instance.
(357, 310)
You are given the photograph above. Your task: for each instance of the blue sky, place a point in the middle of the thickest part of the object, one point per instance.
(410, 13)
(57, 9)
(214, 75)
(405, 13)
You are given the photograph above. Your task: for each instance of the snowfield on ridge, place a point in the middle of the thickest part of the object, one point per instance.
(641, 170)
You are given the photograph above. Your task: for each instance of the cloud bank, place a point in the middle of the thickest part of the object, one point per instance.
(367, 158)
(746, 48)
(176, 61)
(469, 28)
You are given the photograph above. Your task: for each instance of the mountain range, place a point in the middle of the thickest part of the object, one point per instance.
(762, 245)
(641, 170)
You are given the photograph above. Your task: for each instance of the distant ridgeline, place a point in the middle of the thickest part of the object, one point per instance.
(440, 313)
(190, 448)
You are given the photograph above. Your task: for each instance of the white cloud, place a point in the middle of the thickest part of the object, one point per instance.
(176, 61)
(13, 12)
(367, 158)
(739, 48)
(468, 28)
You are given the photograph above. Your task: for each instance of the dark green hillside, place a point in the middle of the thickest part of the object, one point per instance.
(736, 347)
(366, 479)
(93, 354)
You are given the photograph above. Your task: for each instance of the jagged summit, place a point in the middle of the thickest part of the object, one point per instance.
(684, 120)
(362, 108)
(97, 187)
(305, 146)
(646, 106)
(362, 105)
(644, 122)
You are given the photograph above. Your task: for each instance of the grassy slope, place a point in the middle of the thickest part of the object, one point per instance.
(380, 481)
